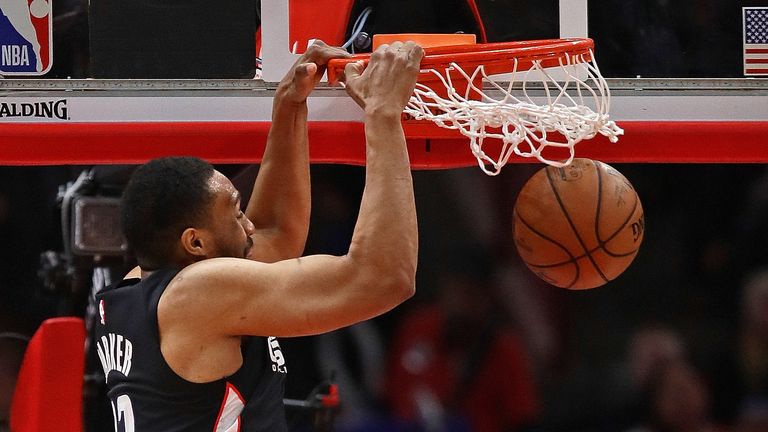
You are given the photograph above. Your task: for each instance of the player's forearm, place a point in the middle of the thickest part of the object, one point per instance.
(280, 202)
(386, 236)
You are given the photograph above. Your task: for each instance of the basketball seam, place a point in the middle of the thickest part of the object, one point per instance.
(593, 250)
(538, 233)
(600, 243)
(570, 222)
(603, 243)
(573, 260)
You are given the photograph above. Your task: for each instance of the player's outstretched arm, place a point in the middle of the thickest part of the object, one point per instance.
(211, 303)
(280, 203)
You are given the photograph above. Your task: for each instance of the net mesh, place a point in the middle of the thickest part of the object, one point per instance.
(536, 110)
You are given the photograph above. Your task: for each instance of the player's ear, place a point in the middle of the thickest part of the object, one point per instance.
(193, 242)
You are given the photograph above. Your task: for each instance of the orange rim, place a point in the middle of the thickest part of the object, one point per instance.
(426, 40)
(497, 58)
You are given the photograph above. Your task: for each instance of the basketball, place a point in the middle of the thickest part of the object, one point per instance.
(580, 226)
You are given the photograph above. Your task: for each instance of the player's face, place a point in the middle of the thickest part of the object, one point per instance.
(231, 229)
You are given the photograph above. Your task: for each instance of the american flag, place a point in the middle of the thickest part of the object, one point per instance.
(755, 40)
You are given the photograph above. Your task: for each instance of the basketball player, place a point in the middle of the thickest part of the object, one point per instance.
(190, 345)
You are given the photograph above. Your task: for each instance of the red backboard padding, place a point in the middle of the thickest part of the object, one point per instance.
(343, 142)
(318, 19)
(48, 394)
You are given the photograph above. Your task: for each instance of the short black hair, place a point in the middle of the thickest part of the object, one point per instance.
(163, 198)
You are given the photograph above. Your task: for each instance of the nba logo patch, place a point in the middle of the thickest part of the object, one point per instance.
(26, 42)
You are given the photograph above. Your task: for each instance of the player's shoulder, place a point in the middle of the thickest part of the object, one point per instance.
(120, 285)
(155, 279)
(218, 272)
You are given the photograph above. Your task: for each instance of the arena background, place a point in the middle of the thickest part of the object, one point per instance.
(706, 231)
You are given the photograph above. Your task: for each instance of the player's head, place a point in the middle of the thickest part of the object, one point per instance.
(179, 210)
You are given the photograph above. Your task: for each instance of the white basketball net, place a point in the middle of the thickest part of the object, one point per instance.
(569, 111)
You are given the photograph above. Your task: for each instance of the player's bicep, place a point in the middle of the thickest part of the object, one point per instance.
(296, 297)
(307, 295)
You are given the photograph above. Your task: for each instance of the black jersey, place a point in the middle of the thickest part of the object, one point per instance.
(147, 396)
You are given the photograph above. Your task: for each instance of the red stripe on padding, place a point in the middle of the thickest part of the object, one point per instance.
(343, 142)
(95, 143)
(684, 142)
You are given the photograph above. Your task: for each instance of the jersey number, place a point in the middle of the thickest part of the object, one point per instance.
(123, 412)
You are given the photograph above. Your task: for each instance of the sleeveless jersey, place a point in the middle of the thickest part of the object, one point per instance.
(147, 396)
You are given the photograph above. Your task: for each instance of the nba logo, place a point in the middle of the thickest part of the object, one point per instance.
(26, 42)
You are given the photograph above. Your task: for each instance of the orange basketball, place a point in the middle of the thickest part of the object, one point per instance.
(580, 226)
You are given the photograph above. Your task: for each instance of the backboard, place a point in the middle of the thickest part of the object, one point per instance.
(676, 71)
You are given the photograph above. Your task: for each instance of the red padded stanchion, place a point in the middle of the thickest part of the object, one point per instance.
(48, 395)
